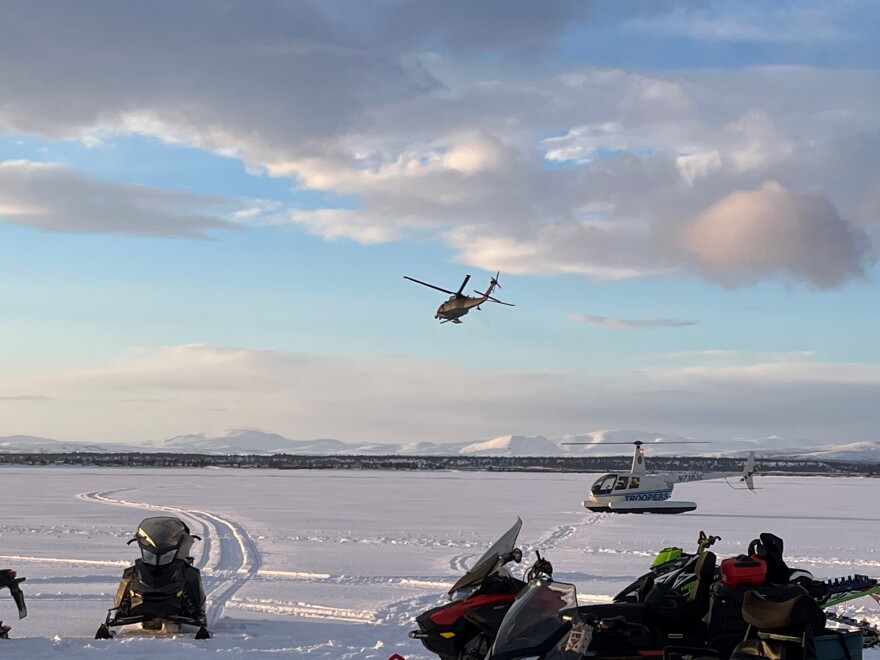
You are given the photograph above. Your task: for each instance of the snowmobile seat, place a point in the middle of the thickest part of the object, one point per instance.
(700, 595)
(788, 617)
(725, 624)
(782, 630)
(647, 583)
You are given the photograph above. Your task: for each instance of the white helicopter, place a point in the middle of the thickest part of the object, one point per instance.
(640, 492)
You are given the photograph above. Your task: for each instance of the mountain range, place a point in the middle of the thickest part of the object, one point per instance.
(598, 443)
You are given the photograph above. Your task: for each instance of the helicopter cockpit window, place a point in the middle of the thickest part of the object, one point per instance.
(622, 483)
(633, 482)
(604, 485)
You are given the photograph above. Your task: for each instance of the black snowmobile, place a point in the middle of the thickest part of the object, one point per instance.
(708, 620)
(674, 569)
(10, 580)
(163, 587)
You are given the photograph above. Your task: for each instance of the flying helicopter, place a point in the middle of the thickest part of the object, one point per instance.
(637, 491)
(459, 304)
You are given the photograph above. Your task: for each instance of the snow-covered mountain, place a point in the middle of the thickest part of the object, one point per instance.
(595, 443)
(33, 444)
(514, 445)
(247, 441)
(862, 452)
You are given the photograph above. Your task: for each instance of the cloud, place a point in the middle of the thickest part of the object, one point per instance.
(613, 323)
(758, 233)
(477, 137)
(52, 197)
(24, 397)
(387, 398)
(740, 21)
(516, 25)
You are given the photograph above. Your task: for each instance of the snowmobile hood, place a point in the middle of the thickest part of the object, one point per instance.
(493, 559)
(162, 533)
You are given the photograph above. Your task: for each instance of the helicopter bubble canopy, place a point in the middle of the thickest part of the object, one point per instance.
(493, 559)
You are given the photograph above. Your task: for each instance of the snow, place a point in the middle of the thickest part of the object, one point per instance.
(335, 564)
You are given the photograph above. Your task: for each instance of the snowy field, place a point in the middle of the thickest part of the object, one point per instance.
(334, 564)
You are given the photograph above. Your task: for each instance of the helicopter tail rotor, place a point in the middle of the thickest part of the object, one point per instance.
(493, 284)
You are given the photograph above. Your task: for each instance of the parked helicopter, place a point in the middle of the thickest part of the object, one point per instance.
(459, 304)
(640, 492)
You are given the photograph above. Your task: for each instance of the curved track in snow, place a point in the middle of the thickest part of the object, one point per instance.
(230, 557)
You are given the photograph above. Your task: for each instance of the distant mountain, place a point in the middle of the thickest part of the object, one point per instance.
(248, 441)
(598, 443)
(32, 444)
(606, 442)
(867, 451)
(514, 445)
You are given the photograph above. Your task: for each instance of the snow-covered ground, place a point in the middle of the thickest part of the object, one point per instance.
(335, 564)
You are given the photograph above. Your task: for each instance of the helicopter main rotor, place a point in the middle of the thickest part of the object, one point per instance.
(457, 294)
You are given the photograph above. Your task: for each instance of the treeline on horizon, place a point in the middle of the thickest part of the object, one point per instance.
(588, 464)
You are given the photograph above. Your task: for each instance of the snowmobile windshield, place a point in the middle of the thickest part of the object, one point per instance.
(159, 539)
(491, 561)
(538, 623)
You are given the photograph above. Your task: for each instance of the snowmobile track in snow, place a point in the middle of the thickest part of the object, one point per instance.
(230, 555)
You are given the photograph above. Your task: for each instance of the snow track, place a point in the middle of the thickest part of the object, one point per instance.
(230, 557)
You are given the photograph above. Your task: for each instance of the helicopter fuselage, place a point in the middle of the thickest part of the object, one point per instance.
(633, 493)
(456, 307)
(644, 493)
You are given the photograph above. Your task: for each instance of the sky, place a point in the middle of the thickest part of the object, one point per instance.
(207, 210)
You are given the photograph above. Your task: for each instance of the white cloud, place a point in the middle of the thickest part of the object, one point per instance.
(698, 165)
(333, 224)
(52, 197)
(614, 323)
(437, 139)
(760, 233)
(745, 21)
(156, 393)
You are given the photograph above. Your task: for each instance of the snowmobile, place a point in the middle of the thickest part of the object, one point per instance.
(9, 580)
(163, 587)
(546, 622)
(464, 629)
(673, 567)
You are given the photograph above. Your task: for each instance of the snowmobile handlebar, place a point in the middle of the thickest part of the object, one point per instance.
(10, 579)
(541, 568)
(706, 541)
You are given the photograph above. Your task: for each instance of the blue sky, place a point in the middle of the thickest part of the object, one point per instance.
(205, 219)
